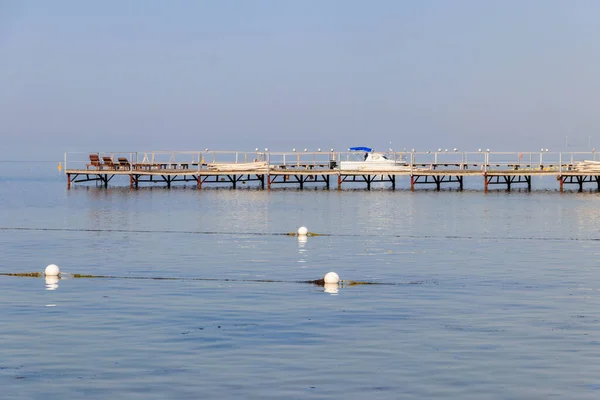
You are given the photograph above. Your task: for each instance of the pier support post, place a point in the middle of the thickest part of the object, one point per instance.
(68, 181)
(485, 183)
(339, 182)
(412, 183)
(561, 182)
(326, 178)
(130, 181)
(268, 182)
(393, 179)
(460, 182)
(199, 180)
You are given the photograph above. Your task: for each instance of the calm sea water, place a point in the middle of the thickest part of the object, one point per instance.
(492, 296)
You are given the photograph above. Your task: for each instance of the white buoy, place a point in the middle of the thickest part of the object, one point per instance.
(302, 231)
(52, 270)
(331, 277)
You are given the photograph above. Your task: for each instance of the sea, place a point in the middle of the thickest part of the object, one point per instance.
(208, 294)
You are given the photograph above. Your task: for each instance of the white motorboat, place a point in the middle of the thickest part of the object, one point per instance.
(368, 160)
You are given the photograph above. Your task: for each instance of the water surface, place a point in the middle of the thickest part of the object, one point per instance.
(482, 295)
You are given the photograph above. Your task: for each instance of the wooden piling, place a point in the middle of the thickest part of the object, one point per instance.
(561, 183)
(485, 183)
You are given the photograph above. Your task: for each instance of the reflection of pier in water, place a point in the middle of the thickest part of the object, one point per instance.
(267, 169)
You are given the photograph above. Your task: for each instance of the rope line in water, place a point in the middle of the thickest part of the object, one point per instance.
(318, 282)
(310, 234)
(113, 230)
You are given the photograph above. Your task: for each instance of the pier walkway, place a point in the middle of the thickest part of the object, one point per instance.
(267, 170)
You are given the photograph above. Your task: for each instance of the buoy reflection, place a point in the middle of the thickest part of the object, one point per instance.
(51, 282)
(302, 241)
(332, 288)
(301, 248)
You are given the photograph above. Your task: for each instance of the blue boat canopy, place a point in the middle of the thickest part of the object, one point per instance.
(367, 149)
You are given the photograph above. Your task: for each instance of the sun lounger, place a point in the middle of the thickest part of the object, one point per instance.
(108, 162)
(94, 161)
(124, 163)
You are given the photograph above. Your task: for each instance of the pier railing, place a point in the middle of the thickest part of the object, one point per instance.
(149, 160)
(87, 161)
(437, 160)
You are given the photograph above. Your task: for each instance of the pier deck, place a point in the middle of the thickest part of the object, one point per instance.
(269, 170)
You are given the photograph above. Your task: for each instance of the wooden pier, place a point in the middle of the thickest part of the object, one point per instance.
(267, 170)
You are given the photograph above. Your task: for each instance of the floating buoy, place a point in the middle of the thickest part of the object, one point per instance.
(302, 231)
(52, 270)
(331, 277)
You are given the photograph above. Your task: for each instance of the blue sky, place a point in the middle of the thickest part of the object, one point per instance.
(187, 75)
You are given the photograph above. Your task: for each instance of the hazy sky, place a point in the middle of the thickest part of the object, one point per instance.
(185, 75)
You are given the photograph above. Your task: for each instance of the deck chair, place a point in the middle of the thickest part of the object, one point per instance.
(108, 162)
(94, 161)
(124, 163)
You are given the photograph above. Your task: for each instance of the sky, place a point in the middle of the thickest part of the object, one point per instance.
(119, 75)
